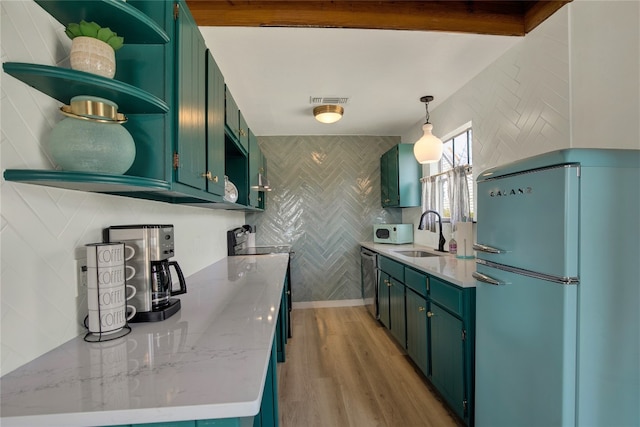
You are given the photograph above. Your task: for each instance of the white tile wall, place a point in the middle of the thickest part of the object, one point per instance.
(548, 91)
(42, 230)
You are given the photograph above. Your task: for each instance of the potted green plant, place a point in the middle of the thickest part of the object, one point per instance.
(93, 48)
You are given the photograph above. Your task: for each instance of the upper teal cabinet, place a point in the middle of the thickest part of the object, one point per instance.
(191, 114)
(215, 128)
(234, 120)
(173, 94)
(257, 168)
(399, 178)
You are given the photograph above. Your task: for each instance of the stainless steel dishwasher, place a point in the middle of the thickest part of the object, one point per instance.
(369, 270)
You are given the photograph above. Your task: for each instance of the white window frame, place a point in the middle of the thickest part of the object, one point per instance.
(441, 169)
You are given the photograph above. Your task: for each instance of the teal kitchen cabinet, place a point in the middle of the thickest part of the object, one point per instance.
(391, 298)
(397, 309)
(191, 112)
(399, 178)
(237, 153)
(282, 326)
(256, 168)
(232, 114)
(447, 358)
(142, 88)
(169, 89)
(383, 298)
(417, 321)
(434, 321)
(235, 123)
(269, 410)
(215, 128)
(452, 326)
(244, 132)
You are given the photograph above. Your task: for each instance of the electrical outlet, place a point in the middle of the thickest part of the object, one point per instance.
(81, 272)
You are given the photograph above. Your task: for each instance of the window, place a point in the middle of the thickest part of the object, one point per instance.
(457, 152)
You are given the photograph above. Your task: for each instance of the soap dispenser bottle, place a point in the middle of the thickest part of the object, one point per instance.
(453, 245)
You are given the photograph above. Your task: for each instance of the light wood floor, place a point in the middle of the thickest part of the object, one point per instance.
(343, 369)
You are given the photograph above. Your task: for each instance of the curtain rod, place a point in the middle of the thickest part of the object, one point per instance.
(467, 169)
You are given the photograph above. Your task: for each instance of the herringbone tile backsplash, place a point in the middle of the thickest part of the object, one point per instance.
(326, 199)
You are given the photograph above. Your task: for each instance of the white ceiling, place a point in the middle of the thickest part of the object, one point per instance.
(272, 73)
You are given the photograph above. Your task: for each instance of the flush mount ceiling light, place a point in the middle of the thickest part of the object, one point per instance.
(328, 113)
(427, 149)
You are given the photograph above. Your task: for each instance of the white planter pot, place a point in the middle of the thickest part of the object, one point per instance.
(93, 56)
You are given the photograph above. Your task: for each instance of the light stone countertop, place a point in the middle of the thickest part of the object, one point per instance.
(445, 266)
(207, 361)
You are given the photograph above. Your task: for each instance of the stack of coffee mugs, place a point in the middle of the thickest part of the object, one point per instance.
(107, 291)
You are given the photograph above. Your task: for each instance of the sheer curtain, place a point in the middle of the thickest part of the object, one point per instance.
(429, 202)
(458, 195)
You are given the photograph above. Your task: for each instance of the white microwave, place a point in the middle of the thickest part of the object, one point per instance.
(396, 234)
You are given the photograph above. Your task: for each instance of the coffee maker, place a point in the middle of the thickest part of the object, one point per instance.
(152, 246)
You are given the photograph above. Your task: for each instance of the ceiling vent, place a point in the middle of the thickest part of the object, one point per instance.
(336, 100)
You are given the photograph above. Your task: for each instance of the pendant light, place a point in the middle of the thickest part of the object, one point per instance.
(328, 113)
(427, 149)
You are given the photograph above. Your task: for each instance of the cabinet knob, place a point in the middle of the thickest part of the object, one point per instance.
(421, 309)
(210, 177)
(430, 314)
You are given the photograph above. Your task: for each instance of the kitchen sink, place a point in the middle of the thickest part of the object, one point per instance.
(416, 254)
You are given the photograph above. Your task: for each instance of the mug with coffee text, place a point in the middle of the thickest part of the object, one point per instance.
(106, 287)
(109, 254)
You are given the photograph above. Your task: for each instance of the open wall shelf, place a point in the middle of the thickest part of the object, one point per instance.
(121, 17)
(63, 84)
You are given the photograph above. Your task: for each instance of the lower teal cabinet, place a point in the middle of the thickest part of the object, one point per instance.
(268, 415)
(282, 327)
(397, 312)
(447, 358)
(434, 321)
(383, 298)
(391, 302)
(417, 336)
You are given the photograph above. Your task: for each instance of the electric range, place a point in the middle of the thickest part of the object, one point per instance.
(240, 241)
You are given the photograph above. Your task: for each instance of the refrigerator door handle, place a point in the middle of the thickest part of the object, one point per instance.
(488, 249)
(487, 279)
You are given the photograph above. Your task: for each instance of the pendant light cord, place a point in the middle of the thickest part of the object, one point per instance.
(426, 106)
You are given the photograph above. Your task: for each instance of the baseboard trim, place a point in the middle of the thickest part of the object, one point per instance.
(326, 304)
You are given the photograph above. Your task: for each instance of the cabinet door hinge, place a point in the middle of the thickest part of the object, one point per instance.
(176, 11)
(465, 407)
(176, 161)
(464, 334)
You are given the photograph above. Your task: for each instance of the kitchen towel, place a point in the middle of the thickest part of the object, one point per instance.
(464, 237)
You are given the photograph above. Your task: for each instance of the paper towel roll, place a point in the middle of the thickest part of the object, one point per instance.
(464, 238)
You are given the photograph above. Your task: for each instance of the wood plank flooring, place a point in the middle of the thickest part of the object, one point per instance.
(343, 369)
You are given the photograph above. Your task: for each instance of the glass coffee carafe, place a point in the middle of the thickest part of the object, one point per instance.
(162, 284)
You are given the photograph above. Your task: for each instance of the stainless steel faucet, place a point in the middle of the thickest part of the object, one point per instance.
(441, 241)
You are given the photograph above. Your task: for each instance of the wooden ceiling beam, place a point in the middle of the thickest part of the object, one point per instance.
(539, 11)
(502, 17)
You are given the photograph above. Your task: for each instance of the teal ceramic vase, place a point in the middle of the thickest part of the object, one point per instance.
(92, 138)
